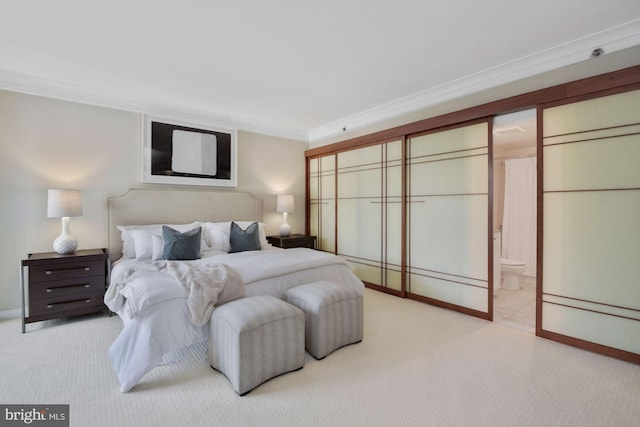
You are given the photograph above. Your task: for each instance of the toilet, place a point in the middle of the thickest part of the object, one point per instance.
(511, 271)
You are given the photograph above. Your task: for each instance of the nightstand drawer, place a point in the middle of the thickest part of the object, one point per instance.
(299, 243)
(66, 270)
(79, 303)
(293, 241)
(80, 286)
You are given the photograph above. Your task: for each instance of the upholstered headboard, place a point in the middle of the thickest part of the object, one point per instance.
(150, 206)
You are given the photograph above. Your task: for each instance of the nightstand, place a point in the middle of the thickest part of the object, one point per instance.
(63, 285)
(293, 241)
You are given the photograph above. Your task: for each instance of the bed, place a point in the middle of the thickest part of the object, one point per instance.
(156, 308)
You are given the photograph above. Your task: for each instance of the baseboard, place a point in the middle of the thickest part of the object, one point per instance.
(10, 314)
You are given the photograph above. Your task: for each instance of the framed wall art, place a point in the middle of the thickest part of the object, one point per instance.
(184, 153)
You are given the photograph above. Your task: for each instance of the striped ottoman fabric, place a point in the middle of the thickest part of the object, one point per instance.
(254, 339)
(333, 315)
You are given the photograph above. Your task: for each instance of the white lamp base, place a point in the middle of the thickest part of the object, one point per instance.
(65, 246)
(285, 229)
(65, 243)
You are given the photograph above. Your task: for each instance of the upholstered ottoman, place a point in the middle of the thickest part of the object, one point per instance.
(254, 339)
(333, 315)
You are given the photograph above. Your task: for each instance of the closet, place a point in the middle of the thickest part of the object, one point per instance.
(410, 208)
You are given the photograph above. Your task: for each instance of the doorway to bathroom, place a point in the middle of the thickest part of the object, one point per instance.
(514, 219)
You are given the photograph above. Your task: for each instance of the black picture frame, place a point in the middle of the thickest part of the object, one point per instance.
(185, 153)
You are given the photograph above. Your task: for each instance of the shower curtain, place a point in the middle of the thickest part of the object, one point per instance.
(519, 220)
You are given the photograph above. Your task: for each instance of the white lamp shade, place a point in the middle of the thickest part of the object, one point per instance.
(284, 203)
(61, 203)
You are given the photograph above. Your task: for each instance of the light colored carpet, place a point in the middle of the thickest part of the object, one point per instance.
(418, 365)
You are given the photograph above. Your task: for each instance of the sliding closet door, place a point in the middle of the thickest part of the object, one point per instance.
(591, 224)
(448, 245)
(370, 213)
(322, 201)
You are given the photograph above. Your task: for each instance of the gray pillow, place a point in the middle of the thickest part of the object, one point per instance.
(181, 246)
(244, 240)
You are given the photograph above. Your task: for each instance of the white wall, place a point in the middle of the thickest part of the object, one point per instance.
(49, 143)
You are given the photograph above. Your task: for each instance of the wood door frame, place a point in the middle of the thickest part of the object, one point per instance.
(462, 309)
(540, 331)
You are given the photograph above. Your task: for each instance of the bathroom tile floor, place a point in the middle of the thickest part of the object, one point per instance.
(516, 309)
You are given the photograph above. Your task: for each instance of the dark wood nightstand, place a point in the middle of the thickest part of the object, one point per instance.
(63, 285)
(293, 241)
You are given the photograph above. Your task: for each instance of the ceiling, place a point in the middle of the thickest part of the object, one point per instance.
(298, 69)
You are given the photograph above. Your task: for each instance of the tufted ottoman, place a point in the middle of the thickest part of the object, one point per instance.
(254, 339)
(333, 315)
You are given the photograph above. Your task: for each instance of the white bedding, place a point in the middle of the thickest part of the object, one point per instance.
(160, 322)
(206, 284)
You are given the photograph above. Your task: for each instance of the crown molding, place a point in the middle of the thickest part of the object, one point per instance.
(31, 85)
(611, 40)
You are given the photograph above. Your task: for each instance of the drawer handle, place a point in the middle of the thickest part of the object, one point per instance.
(66, 270)
(49, 290)
(68, 302)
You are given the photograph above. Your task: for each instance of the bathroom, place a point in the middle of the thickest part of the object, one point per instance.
(514, 219)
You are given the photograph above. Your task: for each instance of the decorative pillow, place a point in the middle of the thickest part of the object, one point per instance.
(244, 240)
(217, 234)
(134, 240)
(262, 235)
(181, 246)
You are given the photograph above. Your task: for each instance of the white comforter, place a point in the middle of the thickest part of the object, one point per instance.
(154, 307)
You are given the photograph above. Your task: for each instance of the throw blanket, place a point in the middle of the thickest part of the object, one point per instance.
(205, 285)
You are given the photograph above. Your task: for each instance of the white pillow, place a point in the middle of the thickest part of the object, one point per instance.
(217, 234)
(143, 243)
(126, 233)
(158, 247)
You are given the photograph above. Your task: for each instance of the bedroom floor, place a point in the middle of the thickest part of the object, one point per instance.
(417, 365)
